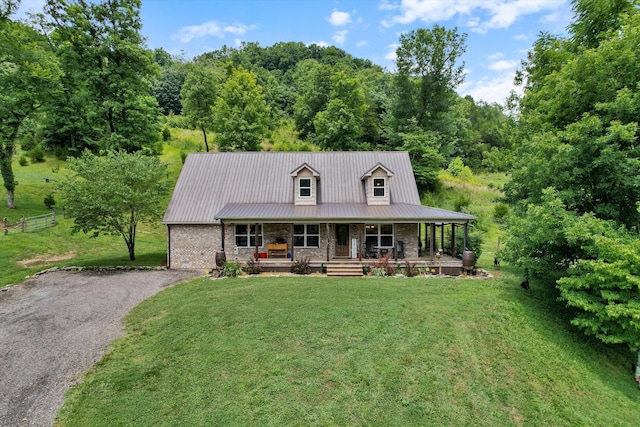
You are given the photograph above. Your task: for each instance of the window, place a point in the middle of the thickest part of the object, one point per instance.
(246, 235)
(305, 187)
(306, 235)
(379, 187)
(379, 235)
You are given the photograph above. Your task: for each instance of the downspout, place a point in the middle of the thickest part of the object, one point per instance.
(222, 234)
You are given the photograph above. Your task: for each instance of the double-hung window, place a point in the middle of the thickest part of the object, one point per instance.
(246, 235)
(379, 187)
(306, 235)
(305, 187)
(379, 235)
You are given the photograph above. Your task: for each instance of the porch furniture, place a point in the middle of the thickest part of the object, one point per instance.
(276, 250)
(371, 251)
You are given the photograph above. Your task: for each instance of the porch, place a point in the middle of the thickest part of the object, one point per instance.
(442, 265)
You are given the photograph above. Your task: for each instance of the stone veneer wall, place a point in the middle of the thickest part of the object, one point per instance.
(408, 233)
(194, 246)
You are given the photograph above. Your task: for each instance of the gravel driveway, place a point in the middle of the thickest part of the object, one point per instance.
(55, 326)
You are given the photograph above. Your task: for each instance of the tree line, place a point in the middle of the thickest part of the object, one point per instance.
(96, 86)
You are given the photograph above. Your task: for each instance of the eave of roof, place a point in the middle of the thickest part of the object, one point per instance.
(336, 212)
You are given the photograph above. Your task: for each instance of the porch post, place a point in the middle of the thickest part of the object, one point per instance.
(395, 242)
(328, 241)
(432, 239)
(453, 239)
(466, 235)
(291, 240)
(257, 240)
(442, 236)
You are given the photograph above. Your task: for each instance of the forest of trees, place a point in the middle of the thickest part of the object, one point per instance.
(79, 77)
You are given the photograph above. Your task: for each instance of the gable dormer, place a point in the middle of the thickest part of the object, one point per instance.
(376, 185)
(305, 185)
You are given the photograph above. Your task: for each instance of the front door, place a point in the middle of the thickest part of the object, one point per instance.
(342, 240)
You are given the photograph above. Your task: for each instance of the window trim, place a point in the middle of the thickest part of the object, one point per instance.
(383, 188)
(308, 188)
(305, 235)
(248, 235)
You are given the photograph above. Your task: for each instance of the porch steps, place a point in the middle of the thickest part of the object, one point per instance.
(344, 270)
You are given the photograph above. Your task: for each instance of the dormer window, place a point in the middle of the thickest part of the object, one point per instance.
(379, 187)
(305, 187)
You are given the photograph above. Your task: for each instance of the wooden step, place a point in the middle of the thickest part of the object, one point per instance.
(344, 270)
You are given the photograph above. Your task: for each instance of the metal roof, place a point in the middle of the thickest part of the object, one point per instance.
(336, 212)
(211, 182)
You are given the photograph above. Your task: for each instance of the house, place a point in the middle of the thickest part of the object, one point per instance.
(285, 206)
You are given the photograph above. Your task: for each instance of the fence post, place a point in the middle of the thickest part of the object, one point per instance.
(6, 228)
(23, 223)
(53, 216)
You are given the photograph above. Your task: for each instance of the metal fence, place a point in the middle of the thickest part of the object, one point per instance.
(32, 223)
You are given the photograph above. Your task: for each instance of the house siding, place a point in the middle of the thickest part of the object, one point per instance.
(305, 201)
(194, 246)
(378, 201)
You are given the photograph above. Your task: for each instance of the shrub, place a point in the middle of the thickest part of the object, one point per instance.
(231, 269)
(383, 263)
(410, 269)
(500, 211)
(301, 266)
(49, 201)
(23, 161)
(183, 156)
(378, 272)
(253, 266)
(461, 202)
(36, 154)
(166, 133)
(456, 166)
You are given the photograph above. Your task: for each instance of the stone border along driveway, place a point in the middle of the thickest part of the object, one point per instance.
(55, 326)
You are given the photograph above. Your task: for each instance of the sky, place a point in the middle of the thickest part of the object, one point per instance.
(499, 32)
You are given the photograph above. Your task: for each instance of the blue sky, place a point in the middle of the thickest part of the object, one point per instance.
(500, 32)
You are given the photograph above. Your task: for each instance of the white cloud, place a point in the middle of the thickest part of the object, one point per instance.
(503, 65)
(321, 43)
(339, 19)
(211, 28)
(362, 43)
(491, 90)
(391, 54)
(340, 36)
(500, 13)
(496, 56)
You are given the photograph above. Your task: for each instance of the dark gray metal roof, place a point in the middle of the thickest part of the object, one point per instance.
(253, 180)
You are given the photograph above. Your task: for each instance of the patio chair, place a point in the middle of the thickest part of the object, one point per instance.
(371, 251)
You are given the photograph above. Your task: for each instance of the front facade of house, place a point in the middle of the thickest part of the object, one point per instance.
(321, 205)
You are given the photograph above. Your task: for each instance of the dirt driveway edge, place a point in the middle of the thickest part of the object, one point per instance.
(55, 326)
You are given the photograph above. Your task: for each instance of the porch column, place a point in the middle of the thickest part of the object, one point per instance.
(257, 240)
(328, 241)
(291, 240)
(466, 235)
(432, 239)
(442, 237)
(395, 242)
(453, 239)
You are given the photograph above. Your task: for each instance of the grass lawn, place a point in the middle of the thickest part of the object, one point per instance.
(359, 351)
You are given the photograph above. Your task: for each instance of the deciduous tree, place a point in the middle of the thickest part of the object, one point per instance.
(241, 115)
(112, 194)
(199, 93)
(29, 75)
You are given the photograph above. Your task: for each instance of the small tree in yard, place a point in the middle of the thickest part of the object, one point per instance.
(112, 194)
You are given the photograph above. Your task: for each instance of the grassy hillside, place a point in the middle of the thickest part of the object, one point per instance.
(365, 351)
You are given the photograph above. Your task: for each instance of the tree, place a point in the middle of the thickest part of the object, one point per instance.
(29, 76)
(339, 127)
(313, 83)
(168, 87)
(604, 289)
(240, 113)
(114, 193)
(428, 73)
(199, 93)
(595, 18)
(108, 79)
